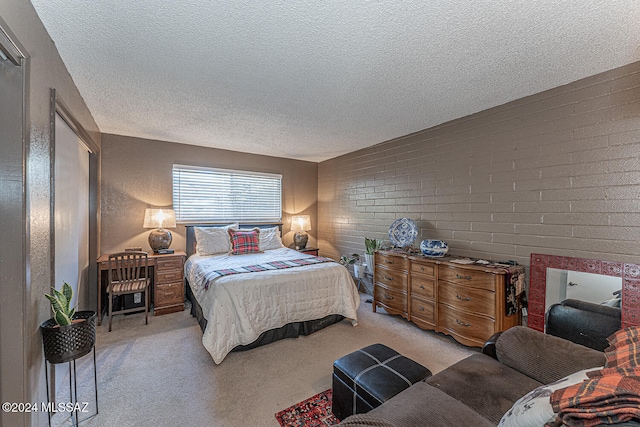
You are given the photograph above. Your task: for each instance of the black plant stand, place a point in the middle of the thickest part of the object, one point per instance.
(65, 344)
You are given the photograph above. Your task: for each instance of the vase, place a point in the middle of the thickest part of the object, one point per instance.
(357, 271)
(65, 343)
(369, 259)
(434, 248)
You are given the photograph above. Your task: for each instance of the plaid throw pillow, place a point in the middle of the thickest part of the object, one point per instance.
(244, 241)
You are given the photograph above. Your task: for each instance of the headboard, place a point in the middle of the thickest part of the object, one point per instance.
(191, 237)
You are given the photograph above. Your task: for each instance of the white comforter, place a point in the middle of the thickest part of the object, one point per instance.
(239, 307)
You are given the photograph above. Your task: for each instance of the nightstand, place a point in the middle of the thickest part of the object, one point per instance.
(310, 251)
(168, 286)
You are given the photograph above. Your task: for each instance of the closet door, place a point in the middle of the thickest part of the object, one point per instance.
(71, 212)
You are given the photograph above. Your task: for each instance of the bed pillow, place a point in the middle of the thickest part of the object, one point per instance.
(244, 241)
(534, 408)
(213, 240)
(270, 238)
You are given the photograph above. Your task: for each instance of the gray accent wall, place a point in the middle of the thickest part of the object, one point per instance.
(137, 174)
(45, 70)
(557, 173)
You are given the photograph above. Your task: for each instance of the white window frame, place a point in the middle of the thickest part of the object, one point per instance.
(214, 195)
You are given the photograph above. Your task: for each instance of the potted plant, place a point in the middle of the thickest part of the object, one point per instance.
(69, 334)
(354, 260)
(371, 246)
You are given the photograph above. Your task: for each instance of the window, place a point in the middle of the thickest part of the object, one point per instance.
(221, 195)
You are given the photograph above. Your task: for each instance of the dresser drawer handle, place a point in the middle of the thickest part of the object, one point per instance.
(466, 325)
(388, 261)
(421, 308)
(463, 277)
(463, 298)
(421, 286)
(388, 296)
(387, 277)
(422, 268)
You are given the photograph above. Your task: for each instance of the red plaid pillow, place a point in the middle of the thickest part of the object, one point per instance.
(244, 241)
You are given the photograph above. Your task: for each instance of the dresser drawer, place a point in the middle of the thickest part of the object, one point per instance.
(391, 298)
(478, 279)
(392, 279)
(423, 268)
(168, 276)
(468, 328)
(168, 294)
(173, 263)
(392, 262)
(478, 301)
(423, 312)
(422, 287)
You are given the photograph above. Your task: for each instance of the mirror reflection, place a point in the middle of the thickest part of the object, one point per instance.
(596, 288)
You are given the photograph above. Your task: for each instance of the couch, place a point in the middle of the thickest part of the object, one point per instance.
(480, 389)
(583, 322)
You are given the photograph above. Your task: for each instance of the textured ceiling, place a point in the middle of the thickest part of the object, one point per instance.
(312, 80)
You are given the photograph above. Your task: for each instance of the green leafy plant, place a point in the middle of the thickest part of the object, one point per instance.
(60, 304)
(349, 260)
(372, 245)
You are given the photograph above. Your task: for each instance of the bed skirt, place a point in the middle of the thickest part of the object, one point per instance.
(290, 330)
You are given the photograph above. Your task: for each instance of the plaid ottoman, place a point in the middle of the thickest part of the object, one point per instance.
(366, 378)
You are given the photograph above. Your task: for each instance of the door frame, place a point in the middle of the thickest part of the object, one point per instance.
(59, 107)
(15, 385)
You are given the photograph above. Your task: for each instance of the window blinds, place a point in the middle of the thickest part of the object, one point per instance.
(219, 195)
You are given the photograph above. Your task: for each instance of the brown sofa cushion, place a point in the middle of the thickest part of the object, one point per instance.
(365, 420)
(545, 358)
(484, 384)
(420, 405)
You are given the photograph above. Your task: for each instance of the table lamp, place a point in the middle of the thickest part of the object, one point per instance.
(160, 239)
(300, 224)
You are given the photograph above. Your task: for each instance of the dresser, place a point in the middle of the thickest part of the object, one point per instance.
(467, 302)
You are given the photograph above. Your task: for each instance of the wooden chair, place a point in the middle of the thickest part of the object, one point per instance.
(128, 274)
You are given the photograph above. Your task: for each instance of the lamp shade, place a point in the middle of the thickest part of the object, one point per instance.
(159, 218)
(301, 223)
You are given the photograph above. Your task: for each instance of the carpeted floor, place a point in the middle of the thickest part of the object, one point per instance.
(161, 375)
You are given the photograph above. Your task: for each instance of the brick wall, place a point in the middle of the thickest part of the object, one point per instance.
(556, 173)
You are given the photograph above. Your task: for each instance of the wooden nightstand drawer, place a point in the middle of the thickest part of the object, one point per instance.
(475, 300)
(169, 294)
(169, 276)
(173, 263)
(478, 279)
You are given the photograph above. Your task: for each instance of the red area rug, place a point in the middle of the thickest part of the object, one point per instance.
(312, 412)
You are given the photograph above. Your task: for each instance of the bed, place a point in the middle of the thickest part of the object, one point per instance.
(246, 300)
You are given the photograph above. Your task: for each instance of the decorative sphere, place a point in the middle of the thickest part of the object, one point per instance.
(434, 248)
